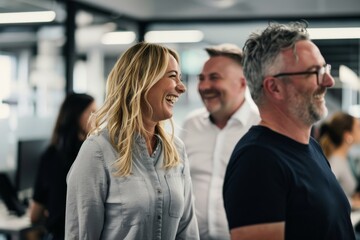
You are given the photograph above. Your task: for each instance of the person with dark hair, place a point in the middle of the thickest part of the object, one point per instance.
(71, 128)
(278, 183)
(131, 178)
(210, 134)
(336, 137)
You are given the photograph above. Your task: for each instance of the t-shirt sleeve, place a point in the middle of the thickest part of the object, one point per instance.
(255, 187)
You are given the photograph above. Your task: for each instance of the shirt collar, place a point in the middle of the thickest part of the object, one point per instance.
(241, 115)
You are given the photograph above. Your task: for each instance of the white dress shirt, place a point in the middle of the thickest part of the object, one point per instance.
(209, 149)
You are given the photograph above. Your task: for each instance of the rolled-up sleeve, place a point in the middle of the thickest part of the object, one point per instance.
(86, 194)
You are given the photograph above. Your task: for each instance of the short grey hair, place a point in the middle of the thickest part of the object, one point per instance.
(226, 50)
(261, 52)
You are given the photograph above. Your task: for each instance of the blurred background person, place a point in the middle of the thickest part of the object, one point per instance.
(210, 134)
(131, 179)
(336, 137)
(71, 129)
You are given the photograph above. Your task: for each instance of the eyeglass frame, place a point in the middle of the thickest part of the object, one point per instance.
(321, 71)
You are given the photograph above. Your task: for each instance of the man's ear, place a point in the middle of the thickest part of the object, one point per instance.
(242, 82)
(274, 88)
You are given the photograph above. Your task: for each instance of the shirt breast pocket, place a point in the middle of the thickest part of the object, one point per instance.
(133, 200)
(175, 183)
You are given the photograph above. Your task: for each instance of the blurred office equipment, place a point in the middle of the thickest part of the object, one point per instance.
(8, 195)
(14, 222)
(15, 195)
(29, 155)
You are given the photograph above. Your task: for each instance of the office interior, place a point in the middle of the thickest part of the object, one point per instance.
(73, 46)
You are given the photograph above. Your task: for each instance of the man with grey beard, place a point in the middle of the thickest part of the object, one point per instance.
(278, 183)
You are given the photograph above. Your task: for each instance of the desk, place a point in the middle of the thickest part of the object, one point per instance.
(13, 226)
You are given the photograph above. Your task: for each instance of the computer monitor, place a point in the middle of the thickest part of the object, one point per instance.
(29, 156)
(9, 196)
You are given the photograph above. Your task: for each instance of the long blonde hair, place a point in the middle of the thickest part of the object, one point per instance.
(128, 83)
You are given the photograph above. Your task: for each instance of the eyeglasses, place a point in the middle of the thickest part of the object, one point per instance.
(319, 73)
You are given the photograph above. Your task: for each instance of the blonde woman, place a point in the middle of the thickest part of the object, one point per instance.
(131, 178)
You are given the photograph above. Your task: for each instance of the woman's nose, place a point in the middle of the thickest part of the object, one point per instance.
(180, 87)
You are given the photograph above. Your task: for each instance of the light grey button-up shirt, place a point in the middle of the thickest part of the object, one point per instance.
(151, 203)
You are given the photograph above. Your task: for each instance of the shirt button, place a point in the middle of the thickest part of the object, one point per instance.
(159, 217)
(159, 190)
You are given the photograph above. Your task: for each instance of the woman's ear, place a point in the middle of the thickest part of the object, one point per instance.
(348, 138)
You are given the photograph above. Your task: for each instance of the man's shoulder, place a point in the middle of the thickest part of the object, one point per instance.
(195, 116)
(257, 136)
(247, 113)
(196, 121)
(197, 113)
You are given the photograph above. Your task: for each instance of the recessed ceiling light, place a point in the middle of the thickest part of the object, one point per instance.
(124, 37)
(178, 36)
(27, 17)
(334, 33)
(219, 3)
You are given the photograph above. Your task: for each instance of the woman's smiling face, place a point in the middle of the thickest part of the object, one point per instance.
(164, 94)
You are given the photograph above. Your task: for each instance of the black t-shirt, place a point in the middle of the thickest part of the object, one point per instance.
(50, 186)
(272, 178)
